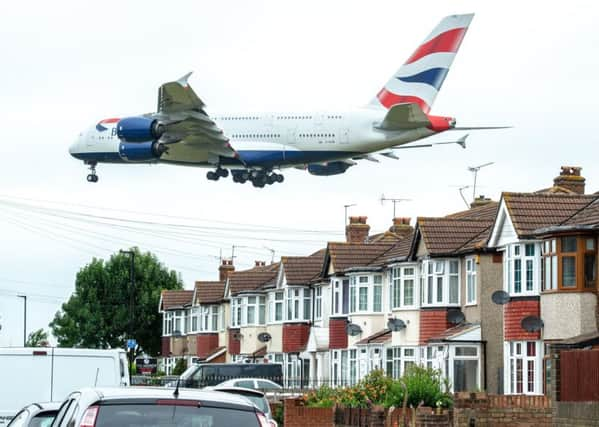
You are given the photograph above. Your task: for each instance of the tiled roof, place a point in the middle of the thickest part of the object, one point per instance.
(532, 211)
(454, 332)
(444, 236)
(176, 299)
(587, 216)
(254, 279)
(301, 270)
(399, 251)
(209, 292)
(485, 212)
(380, 337)
(348, 255)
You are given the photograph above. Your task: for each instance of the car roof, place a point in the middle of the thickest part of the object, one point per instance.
(245, 390)
(234, 380)
(109, 393)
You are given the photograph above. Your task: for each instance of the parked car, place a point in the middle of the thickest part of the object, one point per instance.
(253, 383)
(46, 374)
(255, 396)
(211, 374)
(150, 406)
(35, 415)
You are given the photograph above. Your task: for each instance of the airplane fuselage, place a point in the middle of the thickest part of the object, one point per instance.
(263, 141)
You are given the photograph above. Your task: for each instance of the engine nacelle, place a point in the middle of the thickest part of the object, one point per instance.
(331, 168)
(141, 151)
(139, 129)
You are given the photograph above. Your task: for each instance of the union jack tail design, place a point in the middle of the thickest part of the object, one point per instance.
(420, 78)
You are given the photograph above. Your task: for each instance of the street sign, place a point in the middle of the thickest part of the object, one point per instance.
(131, 343)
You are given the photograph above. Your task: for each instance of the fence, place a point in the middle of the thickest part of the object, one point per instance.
(579, 375)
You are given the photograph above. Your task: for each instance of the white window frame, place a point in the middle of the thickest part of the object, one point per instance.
(365, 284)
(167, 323)
(276, 300)
(516, 253)
(511, 356)
(318, 303)
(437, 275)
(471, 285)
(236, 312)
(179, 316)
(297, 300)
(399, 277)
(453, 357)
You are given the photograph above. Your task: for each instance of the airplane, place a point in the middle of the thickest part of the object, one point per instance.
(254, 146)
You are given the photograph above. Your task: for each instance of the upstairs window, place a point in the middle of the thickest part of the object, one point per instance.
(298, 304)
(441, 279)
(470, 281)
(521, 268)
(318, 302)
(366, 294)
(569, 263)
(340, 296)
(402, 289)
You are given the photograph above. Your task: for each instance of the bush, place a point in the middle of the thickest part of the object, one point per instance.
(322, 397)
(422, 385)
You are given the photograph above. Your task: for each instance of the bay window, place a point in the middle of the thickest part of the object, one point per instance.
(247, 310)
(442, 279)
(178, 319)
(276, 301)
(318, 302)
(521, 267)
(393, 362)
(569, 263)
(236, 312)
(470, 281)
(402, 287)
(298, 304)
(366, 294)
(167, 324)
(523, 370)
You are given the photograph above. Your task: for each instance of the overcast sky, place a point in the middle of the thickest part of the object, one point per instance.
(66, 65)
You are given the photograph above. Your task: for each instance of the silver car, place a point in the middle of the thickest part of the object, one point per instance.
(149, 407)
(35, 415)
(255, 396)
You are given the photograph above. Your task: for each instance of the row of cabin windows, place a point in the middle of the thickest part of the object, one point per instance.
(240, 118)
(294, 117)
(317, 135)
(256, 135)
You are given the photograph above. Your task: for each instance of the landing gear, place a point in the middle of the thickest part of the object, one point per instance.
(92, 177)
(258, 178)
(217, 174)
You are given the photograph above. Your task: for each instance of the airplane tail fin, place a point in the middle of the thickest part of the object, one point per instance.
(420, 78)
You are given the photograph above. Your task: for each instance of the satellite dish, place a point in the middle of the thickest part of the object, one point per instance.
(500, 297)
(455, 316)
(396, 325)
(532, 323)
(237, 336)
(264, 337)
(352, 329)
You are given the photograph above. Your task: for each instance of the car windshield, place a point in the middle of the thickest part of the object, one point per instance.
(140, 415)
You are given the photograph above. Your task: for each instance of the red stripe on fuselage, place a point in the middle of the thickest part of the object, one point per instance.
(389, 99)
(113, 120)
(448, 41)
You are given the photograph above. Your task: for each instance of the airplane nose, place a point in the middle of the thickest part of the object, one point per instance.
(74, 148)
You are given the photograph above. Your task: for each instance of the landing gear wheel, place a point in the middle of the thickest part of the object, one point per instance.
(271, 179)
(212, 176)
(223, 173)
(92, 177)
(280, 178)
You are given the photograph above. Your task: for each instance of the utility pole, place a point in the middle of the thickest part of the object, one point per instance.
(24, 318)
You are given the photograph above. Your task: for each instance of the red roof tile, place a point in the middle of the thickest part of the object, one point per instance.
(209, 292)
(251, 280)
(380, 337)
(443, 236)
(301, 270)
(176, 299)
(348, 255)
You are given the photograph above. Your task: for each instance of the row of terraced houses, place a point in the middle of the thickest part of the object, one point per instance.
(422, 294)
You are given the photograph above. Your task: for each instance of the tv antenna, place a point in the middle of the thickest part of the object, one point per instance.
(395, 201)
(272, 254)
(475, 169)
(346, 207)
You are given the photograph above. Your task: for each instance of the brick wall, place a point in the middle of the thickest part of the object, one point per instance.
(234, 345)
(514, 312)
(165, 347)
(295, 337)
(297, 415)
(432, 323)
(206, 344)
(502, 410)
(337, 334)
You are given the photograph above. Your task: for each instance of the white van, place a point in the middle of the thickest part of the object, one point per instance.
(44, 374)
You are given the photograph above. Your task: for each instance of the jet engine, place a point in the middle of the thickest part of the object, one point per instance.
(331, 168)
(141, 151)
(139, 129)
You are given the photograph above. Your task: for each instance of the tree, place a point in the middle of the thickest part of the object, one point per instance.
(37, 338)
(97, 313)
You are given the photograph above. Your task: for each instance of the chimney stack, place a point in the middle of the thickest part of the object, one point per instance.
(226, 267)
(401, 226)
(480, 201)
(357, 230)
(570, 179)
(260, 263)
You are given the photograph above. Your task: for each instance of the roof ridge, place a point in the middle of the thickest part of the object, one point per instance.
(580, 210)
(474, 237)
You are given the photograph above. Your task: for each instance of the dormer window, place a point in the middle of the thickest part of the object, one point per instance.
(570, 263)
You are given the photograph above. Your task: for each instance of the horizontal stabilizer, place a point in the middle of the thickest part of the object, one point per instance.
(480, 127)
(461, 142)
(403, 117)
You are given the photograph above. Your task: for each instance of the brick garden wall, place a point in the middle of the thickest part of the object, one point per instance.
(297, 415)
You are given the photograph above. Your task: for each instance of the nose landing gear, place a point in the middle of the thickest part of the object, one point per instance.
(92, 177)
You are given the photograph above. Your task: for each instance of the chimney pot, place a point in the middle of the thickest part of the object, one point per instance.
(226, 267)
(570, 179)
(260, 263)
(357, 230)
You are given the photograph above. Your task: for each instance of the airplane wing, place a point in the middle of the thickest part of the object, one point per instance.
(187, 123)
(404, 116)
